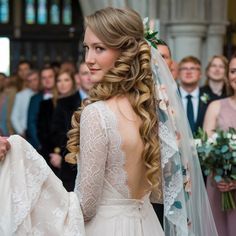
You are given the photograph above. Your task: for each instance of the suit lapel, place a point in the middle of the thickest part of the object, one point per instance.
(201, 112)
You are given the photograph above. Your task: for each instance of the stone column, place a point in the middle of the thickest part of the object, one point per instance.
(186, 27)
(217, 27)
(186, 39)
(215, 39)
(89, 6)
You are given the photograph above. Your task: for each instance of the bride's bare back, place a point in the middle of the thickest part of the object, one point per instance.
(128, 125)
(110, 153)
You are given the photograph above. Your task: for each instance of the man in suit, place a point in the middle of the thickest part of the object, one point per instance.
(61, 124)
(47, 76)
(189, 77)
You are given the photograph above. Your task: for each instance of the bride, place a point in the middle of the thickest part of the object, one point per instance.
(115, 140)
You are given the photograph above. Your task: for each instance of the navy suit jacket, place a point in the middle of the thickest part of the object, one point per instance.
(33, 111)
(202, 107)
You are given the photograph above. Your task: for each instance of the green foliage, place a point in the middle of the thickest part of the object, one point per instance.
(217, 154)
(151, 36)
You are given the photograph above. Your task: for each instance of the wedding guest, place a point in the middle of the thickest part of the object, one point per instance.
(221, 114)
(10, 90)
(61, 124)
(47, 80)
(189, 78)
(23, 69)
(21, 103)
(216, 72)
(65, 86)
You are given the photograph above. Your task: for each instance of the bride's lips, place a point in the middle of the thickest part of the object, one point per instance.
(92, 70)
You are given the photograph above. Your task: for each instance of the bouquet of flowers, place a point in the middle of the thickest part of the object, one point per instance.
(217, 155)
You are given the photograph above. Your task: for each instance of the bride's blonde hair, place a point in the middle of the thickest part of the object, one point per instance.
(131, 75)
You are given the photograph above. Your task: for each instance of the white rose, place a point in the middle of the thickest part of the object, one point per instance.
(214, 136)
(234, 136)
(210, 140)
(232, 144)
(198, 142)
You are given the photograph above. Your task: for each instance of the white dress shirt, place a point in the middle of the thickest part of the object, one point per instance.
(20, 110)
(83, 94)
(195, 100)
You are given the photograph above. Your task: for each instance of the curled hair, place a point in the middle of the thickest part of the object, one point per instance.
(131, 76)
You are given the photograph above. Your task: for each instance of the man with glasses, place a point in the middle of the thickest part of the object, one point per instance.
(189, 77)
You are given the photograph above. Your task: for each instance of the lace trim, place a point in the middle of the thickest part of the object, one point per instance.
(172, 191)
(169, 150)
(168, 144)
(115, 173)
(35, 175)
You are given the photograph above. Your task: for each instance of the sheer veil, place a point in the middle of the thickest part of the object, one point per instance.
(186, 207)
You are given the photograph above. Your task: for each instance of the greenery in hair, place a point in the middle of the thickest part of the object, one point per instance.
(151, 36)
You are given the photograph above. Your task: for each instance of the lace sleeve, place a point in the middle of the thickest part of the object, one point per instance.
(92, 160)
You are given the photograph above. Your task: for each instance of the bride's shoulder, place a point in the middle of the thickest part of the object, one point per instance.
(94, 111)
(93, 107)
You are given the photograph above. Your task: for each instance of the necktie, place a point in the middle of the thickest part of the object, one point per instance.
(190, 114)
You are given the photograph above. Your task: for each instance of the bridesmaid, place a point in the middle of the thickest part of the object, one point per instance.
(221, 114)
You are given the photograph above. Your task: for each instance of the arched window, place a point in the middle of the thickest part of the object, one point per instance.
(47, 31)
(4, 12)
(49, 12)
(42, 16)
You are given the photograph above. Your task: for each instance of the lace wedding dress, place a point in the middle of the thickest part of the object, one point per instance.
(34, 202)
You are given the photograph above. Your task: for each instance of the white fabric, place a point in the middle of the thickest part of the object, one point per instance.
(33, 200)
(195, 100)
(39, 205)
(20, 110)
(96, 162)
(117, 216)
(102, 180)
